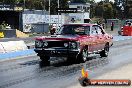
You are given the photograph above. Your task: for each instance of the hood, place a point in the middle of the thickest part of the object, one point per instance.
(60, 37)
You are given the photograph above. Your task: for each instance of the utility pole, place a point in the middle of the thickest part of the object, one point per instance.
(44, 5)
(58, 13)
(24, 3)
(49, 13)
(102, 9)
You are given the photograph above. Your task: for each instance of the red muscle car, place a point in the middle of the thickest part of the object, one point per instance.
(74, 41)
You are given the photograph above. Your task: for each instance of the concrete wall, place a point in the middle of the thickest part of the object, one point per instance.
(34, 20)
(9, 33)
(40, 28)
(33, 17)
(12, 46)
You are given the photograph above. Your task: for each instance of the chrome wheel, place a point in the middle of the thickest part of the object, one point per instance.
(82, 57)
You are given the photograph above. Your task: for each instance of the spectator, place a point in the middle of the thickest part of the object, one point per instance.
(112, 26)
(73, 20)
(53, 29)
(129, 23)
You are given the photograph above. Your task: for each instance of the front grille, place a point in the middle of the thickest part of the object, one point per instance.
(56, 44)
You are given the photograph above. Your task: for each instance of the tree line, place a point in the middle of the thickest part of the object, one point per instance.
(102, 9)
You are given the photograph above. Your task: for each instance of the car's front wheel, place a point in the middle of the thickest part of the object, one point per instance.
(45, 60)
(71, 60)
(82, 57)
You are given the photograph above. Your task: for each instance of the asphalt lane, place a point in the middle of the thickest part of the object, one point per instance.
(30, 72)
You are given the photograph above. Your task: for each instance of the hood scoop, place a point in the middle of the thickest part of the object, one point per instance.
(61, 37)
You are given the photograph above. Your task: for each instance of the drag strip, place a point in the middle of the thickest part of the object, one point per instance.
(117, 41)
(29, 72)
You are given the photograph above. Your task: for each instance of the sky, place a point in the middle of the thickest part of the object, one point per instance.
(102, 0)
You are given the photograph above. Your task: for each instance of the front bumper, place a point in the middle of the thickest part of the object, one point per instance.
(57, 52)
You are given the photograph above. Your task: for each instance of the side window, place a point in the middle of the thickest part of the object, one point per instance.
(87, 30)
(99, 30)
(94, 30)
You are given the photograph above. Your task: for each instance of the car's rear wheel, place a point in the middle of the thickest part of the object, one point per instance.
(105, 52)
(82, 57)
(45, 60)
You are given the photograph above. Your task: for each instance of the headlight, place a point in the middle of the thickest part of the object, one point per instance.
(38, 43)
(73, 45)
(45, 44)
(65, 44)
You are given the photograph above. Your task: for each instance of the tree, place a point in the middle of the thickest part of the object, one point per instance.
(99, 10)
(104, 10)
(78, 1)
(83, 1)
(123, 8)
(44, 4)
(34, 4)
(130, 12)
(10, 1)
(90, 1)
(108, 11)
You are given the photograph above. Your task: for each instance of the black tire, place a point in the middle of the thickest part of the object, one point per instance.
(71, 60)
(105, 52)
(82, 57)
(119, 32)
(45, 60)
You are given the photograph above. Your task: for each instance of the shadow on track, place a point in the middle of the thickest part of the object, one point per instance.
(94, 60)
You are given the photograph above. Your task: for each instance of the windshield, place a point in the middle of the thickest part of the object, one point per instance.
(74, 29)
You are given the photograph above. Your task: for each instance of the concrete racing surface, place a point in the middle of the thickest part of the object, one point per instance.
(119, 38)
(29, 72)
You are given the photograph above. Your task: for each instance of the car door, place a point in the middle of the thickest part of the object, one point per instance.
(100, 38)
(93, 37)
(89, 39)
